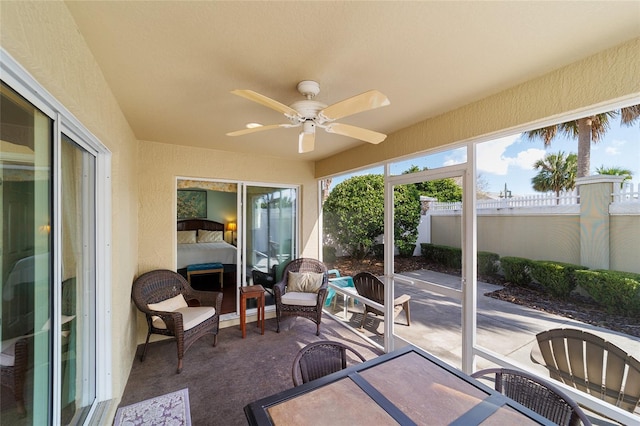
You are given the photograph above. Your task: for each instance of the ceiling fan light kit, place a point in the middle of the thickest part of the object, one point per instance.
(311, 114)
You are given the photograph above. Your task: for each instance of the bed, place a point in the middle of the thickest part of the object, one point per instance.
(202, 241)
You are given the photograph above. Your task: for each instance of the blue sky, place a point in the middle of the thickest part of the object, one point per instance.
(510, 159)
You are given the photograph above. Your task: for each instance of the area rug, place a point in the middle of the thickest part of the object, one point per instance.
(169, 409)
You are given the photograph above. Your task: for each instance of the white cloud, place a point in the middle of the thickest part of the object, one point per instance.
(612, 150)
(492, 157)
(457, 156)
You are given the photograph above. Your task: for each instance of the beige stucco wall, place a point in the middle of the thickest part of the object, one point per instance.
(159, 166)
(43, 38)
(612, 74)
(624, 243)
(532, 237)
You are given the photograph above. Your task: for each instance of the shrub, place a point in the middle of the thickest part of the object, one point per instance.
(488, 263)
(617, 291)
(442, 255)
(452, 258)
(378, 251)
(329, 253)
(556, 277)
(516, 270)
(405, 248)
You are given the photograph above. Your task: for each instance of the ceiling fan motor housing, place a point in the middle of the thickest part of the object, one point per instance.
(309, 88)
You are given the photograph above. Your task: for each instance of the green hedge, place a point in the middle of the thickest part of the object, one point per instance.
(488, 263)
(443, 255)
(556, 277)
(516, 270)
(617, 291)
(452, 257)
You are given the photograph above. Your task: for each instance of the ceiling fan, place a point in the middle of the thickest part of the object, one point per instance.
(310, 114)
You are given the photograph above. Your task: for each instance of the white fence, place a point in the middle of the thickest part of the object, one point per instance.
(625, 194)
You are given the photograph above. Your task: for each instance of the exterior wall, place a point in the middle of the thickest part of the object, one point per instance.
(546, 237)
(625, 243)
(43, 38)
(609, 75)
(554, 237)
(159, 166)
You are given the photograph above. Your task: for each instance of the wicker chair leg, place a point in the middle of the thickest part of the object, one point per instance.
(318, 329)
(215, 340)
(144, 350)
(179, 366)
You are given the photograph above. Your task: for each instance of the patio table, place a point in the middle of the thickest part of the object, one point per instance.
(408, 386)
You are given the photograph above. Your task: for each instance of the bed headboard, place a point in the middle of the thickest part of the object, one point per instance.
(195, 224)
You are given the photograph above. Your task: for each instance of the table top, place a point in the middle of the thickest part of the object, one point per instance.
(252, 289)
(407, 386)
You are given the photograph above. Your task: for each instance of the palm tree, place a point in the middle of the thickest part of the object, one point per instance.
(586, 130)
(615, 171)
(557, 173)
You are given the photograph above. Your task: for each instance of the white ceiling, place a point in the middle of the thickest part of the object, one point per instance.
(172, 64)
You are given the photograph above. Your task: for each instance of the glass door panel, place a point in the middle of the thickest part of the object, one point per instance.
(25, 260)
(271, 230)
(77, 293)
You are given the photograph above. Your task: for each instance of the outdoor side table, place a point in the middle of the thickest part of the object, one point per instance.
(251, 292)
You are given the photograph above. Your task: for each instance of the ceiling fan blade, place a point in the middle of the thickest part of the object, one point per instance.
(359, 103)
(258, 129)
(266, 101)
(306, 142)
(356, 132)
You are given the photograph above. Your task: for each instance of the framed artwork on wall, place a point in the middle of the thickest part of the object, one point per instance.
(192, 204)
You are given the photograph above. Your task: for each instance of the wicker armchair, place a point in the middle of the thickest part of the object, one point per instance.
(311, 310)
(319, 359)
(370, 286)
(185, 323)
(537, 395)
(564, 352)
(13, 375)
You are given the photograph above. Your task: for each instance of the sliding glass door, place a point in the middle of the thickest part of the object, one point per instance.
(48, 269)
(271, 218)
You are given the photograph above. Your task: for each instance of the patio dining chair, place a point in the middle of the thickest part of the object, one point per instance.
(536, 394)
(564, 352)
(319, 359)
(370, 286)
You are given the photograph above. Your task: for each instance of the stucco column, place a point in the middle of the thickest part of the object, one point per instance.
(595, 197)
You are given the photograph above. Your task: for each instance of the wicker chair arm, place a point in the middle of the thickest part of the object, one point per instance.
(322, 293)
(280, 289)
(173, 320)
(207, 298)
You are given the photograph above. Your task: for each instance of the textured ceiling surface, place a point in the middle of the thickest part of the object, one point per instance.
(173, 64)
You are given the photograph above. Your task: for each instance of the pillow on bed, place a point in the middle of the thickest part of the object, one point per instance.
(209, 236)
(304, 282)
(186, 237)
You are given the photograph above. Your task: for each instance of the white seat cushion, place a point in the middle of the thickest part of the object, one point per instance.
(299, 298)
(190, 317)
